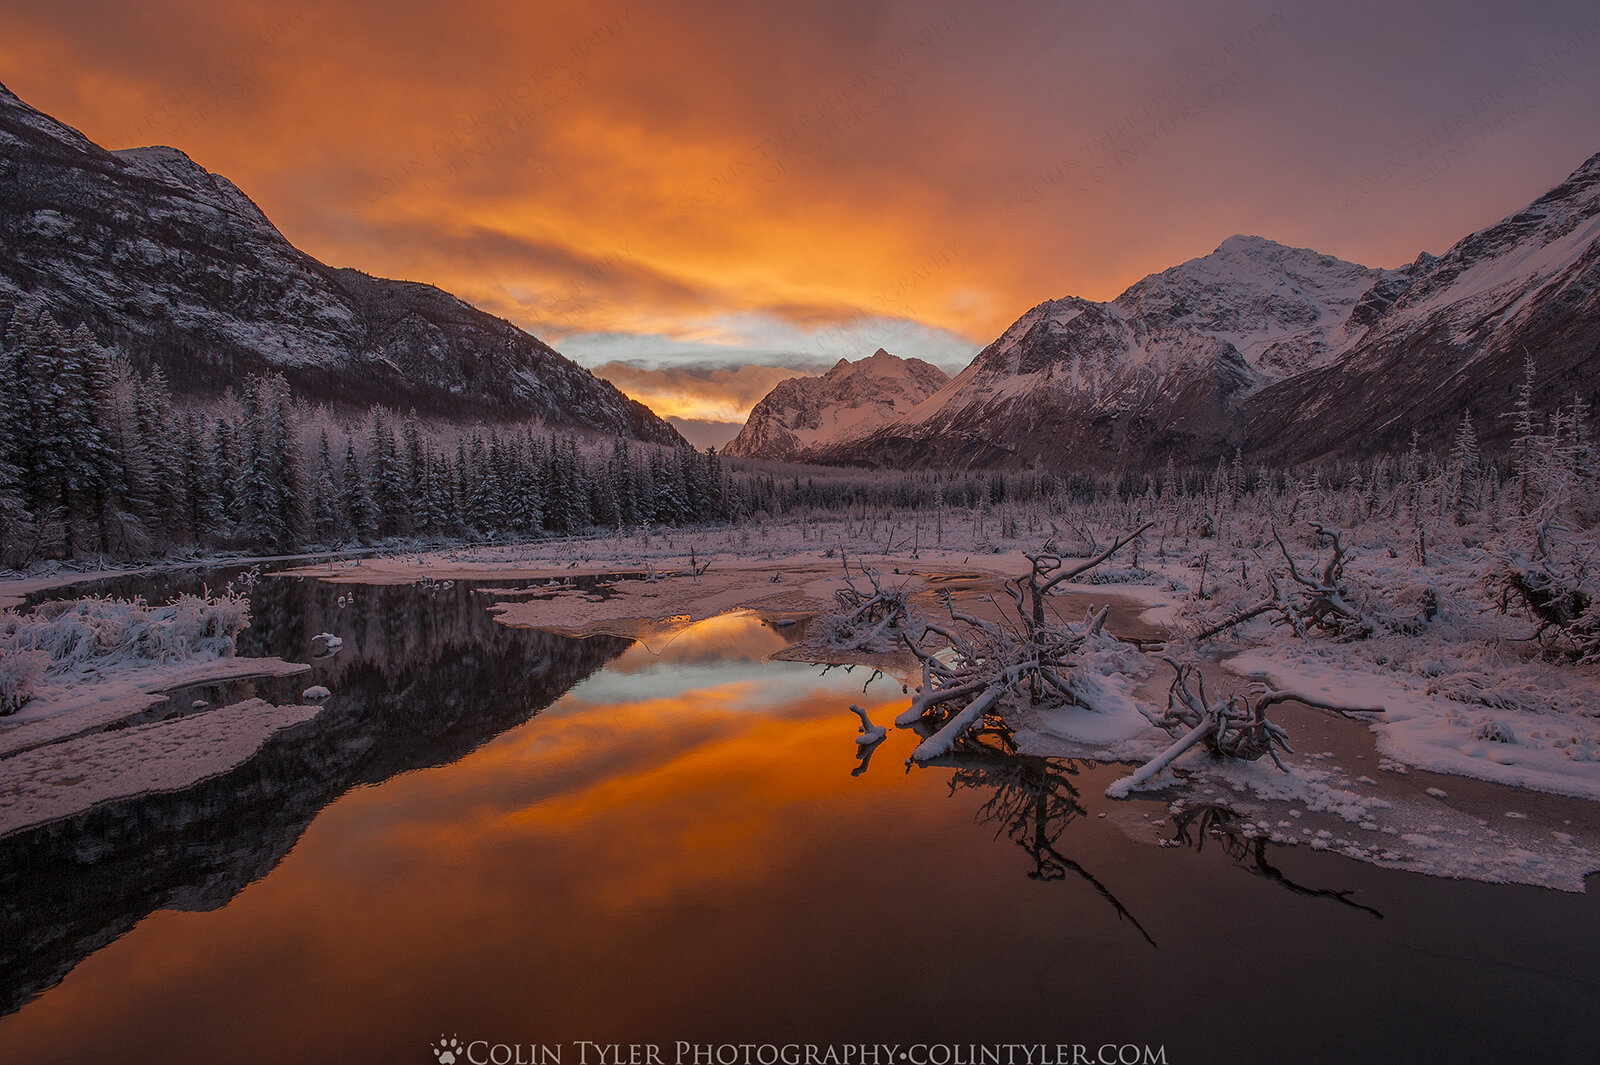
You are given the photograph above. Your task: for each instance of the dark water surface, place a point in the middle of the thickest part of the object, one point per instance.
(514, 837)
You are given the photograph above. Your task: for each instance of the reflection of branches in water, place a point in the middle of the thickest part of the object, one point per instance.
(866, 758)
(828, 667)
(1250, 851)
(1033, 802)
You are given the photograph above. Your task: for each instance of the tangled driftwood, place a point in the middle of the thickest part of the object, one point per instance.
(986, 664)
(1316, 602)
(1231, 727)
(1559, 593)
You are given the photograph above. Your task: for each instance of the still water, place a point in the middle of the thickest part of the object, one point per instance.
(512, 837)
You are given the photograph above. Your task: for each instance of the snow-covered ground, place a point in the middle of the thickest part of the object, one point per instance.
(68, 777)
(1463, 691)
(79, 668)
(73, 707)
(1448, 690)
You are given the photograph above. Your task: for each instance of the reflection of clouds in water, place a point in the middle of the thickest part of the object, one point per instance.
(675, 777)
(708, 657)
(739, 636)
(727, 687)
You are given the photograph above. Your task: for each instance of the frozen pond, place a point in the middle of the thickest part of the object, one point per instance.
(518, 838)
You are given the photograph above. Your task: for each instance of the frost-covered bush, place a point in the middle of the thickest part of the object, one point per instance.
(1494, 731)
(19, 674)
(69, 636)
(1558, 587)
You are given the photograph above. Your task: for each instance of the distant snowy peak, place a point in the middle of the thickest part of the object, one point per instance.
(1284, 309)
(1256, 309)
(849, 402)
(1453, 335)
(1281, 352)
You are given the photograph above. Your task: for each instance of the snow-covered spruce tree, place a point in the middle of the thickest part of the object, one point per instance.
(415, 470)
(1465, 471)
(438, 508)
(355, 502)
(198, 505)
(225, 469)
(385, 477)
(17, 526)
(271, 495)
(619, 469)
(323, 509)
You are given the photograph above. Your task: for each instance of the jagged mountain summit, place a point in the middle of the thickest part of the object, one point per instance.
(177, 267)
(1282, 353)
(1157, 371)
(1453, 339)
(806, 416)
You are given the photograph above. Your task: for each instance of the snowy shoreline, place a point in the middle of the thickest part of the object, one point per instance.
(67, 778)
(1525, 822)
(1490, 820)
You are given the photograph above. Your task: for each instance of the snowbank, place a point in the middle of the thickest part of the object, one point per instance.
(89, 703)
(1548, 750)
(69, 777)
(73, 666)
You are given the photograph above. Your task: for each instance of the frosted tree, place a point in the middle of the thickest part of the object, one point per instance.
(225, 469)
(493, 511)
(271, 476)
(198, 505)
(387, 480)
(1527, 443)
(323, 512)
(355, 502)
(16, 522)
(1465, 469)
(416, 464)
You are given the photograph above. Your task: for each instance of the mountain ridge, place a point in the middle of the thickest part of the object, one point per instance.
(805, 415)
(178, 267)
(1284, 354)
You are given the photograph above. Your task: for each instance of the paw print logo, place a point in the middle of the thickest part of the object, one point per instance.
(447, 1051)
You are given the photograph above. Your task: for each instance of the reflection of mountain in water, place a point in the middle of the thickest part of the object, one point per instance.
(424, 677)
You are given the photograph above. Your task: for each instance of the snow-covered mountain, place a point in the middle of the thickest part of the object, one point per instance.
(176, 266)
(1282, 352)
(1455, 337)
(803, 416)
(1159, 370)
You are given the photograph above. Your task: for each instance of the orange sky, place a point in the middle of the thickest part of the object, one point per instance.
(701, 185)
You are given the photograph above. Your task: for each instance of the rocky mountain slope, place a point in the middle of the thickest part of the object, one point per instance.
(1455, 339)
(177, 267)
(1282, 352)
(806, 416)
(1158, 371)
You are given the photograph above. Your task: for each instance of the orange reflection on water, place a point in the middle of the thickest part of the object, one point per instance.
(577, 859)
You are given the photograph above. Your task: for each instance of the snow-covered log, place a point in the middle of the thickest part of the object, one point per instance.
(1234, 727)
(1312, 600)
(869, 733)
